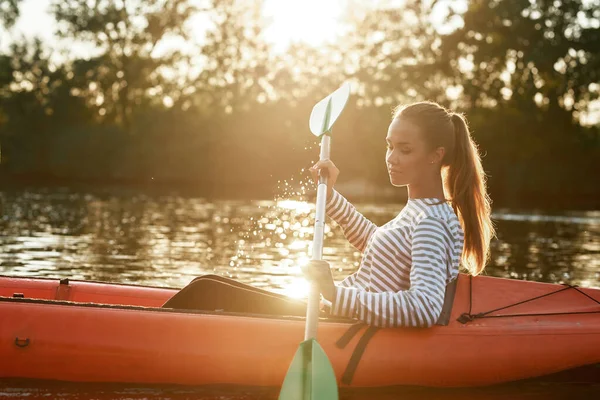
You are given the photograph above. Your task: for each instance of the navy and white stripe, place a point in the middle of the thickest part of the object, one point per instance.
(406, 263)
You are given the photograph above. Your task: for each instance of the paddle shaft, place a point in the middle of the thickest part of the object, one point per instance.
(311, 375)
(312, 310)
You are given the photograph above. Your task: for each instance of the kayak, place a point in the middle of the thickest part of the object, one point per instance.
(500, 330)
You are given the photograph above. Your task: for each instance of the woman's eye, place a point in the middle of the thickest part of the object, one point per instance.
(405, 150)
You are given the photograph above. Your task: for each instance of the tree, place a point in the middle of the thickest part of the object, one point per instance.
(392, 52)
(123, 71)
(537, 53)
(528, 70)
(235, 58)
(36, 99)
(9, 12)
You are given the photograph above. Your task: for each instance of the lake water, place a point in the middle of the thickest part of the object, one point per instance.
(168, 239)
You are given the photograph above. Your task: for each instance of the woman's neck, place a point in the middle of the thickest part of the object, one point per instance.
(427, 189)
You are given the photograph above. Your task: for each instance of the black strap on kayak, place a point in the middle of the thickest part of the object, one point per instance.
(358, 350)
(349, 334)
(468, 317)
(444, 317)
(361, 346)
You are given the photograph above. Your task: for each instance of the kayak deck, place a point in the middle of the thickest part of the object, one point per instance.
(84, 291)
(100, 332)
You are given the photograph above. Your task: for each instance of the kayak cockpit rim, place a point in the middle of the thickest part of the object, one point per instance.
(69, 280)
(166, 310)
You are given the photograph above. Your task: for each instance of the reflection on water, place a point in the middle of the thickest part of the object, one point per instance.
(548, 248)
(166, 240)
(515, 391)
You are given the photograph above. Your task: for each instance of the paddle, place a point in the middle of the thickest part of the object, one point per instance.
(311, 376)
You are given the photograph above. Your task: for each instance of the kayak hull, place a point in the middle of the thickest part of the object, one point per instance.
(116, 333)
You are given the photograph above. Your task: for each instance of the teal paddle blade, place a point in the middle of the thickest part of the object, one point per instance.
(327, 111)
(310, 376)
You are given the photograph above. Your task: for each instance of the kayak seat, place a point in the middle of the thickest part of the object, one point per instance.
(444, 318)
(217, 293)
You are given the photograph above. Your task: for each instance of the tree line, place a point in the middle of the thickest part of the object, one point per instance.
(229, 116)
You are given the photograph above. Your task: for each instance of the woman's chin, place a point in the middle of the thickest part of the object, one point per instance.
(397, 182)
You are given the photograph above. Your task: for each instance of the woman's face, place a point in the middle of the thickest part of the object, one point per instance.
(408, 158)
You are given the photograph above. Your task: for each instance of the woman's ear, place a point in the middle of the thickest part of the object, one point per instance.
(438, 155)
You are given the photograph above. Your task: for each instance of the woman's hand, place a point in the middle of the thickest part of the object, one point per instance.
(320, 273)
(332, 174)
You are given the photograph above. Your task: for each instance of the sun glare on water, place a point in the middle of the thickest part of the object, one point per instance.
(313, 22)
(301, 207)
(297, 289)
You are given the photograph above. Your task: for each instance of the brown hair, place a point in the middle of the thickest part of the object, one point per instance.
(462, 173)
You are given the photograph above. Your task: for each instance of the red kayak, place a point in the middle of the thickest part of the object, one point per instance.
(500, 330)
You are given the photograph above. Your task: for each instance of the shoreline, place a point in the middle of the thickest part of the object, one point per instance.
(357, 191)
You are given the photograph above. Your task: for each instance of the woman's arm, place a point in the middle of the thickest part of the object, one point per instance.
(355, 226)
(349, 280)
(421, 305)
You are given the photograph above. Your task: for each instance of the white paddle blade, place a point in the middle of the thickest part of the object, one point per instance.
(321, 120)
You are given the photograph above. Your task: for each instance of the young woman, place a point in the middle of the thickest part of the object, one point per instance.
(408, 262)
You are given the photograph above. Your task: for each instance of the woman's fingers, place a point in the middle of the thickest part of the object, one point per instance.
(319, 273)
(316, 270)
(318, 265)
(330, 171)
(327, 165)
(315, 173)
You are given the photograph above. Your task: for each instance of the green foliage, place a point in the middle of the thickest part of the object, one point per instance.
(230, 116)
(125, 35)
(551, 48)
(534, 68)
(9, 12)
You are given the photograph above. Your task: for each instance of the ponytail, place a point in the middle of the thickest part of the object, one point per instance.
(462, 174)
(465, 183)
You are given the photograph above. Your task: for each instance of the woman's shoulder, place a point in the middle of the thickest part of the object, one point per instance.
(433, 209)
(439, 217)
(423, 212)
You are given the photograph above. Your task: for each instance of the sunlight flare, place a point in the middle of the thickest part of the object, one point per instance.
(301, 207)
(297, 289)
(313, 22)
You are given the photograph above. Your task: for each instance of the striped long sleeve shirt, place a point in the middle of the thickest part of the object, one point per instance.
(406, 263)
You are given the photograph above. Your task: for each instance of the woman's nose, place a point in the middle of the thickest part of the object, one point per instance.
(390, 158)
